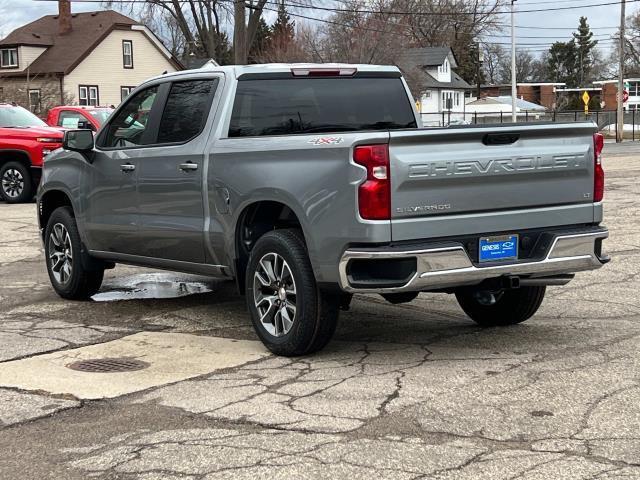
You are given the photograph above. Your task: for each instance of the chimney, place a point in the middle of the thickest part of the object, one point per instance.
(64, 17)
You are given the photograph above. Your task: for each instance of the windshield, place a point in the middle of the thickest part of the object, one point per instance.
(19, 117)
(101, 115)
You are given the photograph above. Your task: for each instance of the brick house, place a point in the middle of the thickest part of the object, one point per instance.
(92, 58)
(541, 93)
(610, 92)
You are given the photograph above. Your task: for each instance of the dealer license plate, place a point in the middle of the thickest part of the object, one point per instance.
(504, 247)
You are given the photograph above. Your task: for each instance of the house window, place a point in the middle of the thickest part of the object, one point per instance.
(125, 91)
(634, 89)
(127, 54)
(88, 95)
(34, 100)
(9, 58)
(457, 99)
(447, 100)
(427, 94)
(444, 68)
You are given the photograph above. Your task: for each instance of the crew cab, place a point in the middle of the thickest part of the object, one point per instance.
(25, 141)
(310, 183)
(74, 116)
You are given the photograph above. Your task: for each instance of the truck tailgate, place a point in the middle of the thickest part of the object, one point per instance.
(464, 180)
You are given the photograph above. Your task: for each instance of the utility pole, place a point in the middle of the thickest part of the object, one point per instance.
(514, 89)
(480, 59)
(239, 33)
(29, 87)
(620, 125)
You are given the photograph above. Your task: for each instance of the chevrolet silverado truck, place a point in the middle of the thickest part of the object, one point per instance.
(25, 141)
(310, 183)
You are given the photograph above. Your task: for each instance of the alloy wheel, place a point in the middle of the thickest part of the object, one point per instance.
(274, 294)
(60, 253)
(12, 183)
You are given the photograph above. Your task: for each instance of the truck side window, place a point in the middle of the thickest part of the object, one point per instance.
(129, 125)
(185, 112)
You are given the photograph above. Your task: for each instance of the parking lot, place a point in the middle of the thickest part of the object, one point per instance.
(408, 391)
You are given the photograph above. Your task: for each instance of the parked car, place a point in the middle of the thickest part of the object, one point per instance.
(69, 116)
(25, 141)
(310, 183)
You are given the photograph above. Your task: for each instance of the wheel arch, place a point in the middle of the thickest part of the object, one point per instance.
(48, 201)
(15, 155)
(254, 220)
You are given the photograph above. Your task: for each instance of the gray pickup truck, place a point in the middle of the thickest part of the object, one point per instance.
(310, 183)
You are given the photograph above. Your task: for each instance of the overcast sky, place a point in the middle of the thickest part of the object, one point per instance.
(557, 24)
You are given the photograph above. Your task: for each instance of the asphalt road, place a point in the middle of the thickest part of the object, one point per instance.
(409, 391)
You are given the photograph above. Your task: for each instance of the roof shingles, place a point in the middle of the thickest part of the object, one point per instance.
(65, 52)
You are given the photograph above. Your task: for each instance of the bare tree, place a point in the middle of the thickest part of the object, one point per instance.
(361, 33)
(527, 68)
(199, 23)
(494, 56)
(458, 24)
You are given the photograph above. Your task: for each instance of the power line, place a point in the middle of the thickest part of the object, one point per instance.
(396, 12)
(332, 22)
(346, 10)
(298, 5)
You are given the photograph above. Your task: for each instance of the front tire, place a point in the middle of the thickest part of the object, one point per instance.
(15, 183)
(498, 309)
(290, 314)
(64, 256)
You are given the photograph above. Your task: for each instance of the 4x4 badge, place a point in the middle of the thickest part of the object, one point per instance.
(326, 140)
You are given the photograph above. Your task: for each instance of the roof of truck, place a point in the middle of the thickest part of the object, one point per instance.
(237, 70)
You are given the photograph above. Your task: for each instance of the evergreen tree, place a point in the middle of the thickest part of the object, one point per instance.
(562, 63)
(261, 42)
(223, 51)
(584, 49)
(283, 30)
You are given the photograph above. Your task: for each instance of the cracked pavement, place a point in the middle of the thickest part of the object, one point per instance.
(412, 391)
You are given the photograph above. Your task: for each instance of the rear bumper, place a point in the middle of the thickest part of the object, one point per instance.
(448, 265)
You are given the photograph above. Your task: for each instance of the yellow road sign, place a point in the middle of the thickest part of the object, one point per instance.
(586, 98)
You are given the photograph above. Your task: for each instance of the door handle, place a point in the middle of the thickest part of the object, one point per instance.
(189, 166)
(127, 167)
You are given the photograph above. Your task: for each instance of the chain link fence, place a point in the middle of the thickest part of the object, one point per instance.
(607, 120)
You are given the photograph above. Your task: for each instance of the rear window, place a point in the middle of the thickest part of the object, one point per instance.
(319, 105)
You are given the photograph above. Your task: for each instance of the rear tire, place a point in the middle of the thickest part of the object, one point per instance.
(290, 314)
(15, 183)
(498, 309)
(64, 253)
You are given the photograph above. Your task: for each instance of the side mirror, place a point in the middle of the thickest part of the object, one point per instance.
(78, 140)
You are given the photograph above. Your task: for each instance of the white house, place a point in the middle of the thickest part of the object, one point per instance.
(501, 107)
(92, 58)
(441, 88)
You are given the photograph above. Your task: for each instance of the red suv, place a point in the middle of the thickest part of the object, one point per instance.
(78, 117)
(25, 141)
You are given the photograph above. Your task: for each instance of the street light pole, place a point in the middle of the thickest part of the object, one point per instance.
(620, 123)
(514, 90)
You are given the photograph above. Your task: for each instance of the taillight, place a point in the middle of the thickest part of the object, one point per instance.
(374, 195)
(598, 177)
